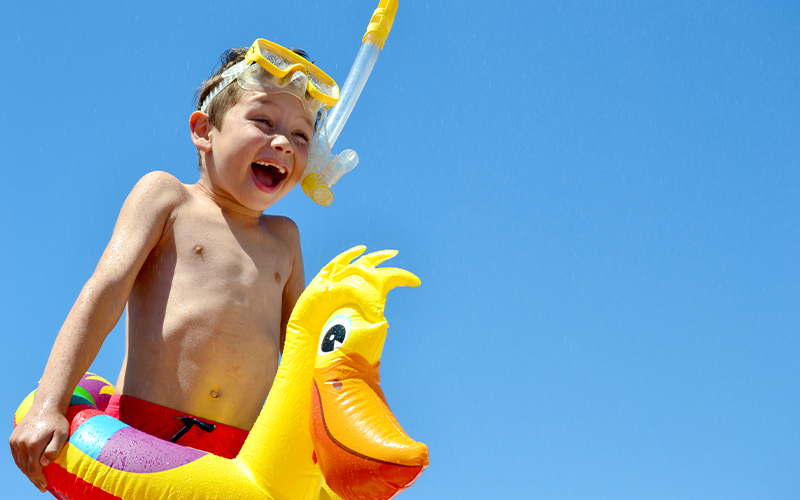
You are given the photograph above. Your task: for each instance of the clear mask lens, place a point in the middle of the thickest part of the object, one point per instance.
(258, 79)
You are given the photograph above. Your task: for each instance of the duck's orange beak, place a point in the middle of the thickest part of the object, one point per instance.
(360, 447)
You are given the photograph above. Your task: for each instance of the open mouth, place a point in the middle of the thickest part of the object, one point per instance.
(268, 174)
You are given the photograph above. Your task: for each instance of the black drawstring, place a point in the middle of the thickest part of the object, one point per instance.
(188, 423)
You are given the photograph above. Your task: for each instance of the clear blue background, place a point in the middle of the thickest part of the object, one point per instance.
(601, 200)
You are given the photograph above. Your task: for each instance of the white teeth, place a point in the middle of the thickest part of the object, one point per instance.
(280, 169)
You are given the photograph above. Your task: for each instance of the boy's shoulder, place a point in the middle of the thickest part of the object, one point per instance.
(285, 227)
(161, 183)
(279, 221)
(161, 190)
(154, 200)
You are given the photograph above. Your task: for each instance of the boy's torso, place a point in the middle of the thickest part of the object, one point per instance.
(204, 314)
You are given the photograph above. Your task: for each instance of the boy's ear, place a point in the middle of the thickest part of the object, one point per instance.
(201, 128)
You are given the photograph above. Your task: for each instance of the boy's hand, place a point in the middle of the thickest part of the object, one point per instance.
(37, 441)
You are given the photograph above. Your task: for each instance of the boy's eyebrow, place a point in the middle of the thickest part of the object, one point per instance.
(264, 99)
(309, 122)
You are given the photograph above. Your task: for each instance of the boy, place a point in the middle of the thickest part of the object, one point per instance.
(209, 280)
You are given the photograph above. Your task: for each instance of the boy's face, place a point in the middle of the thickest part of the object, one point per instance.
(261, 148)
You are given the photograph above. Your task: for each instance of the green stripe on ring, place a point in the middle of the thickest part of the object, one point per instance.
(82, 393)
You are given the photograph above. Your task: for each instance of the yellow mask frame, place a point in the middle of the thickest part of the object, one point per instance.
(280, 62)
(284, 70)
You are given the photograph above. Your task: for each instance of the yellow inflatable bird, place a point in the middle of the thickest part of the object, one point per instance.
(326, 415)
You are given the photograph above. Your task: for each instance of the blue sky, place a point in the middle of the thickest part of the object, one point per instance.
(601, 201)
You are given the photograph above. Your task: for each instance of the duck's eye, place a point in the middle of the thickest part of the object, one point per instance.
(335, 333)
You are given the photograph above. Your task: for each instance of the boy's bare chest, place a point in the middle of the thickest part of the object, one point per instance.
(213, 251)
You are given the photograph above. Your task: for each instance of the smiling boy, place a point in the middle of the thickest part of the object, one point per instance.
(209, 280)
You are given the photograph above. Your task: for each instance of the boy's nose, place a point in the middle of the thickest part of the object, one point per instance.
(281, 143)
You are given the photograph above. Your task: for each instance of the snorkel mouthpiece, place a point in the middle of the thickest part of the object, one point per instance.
(324, 168)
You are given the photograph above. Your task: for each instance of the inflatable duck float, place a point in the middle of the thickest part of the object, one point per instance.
(326, 417)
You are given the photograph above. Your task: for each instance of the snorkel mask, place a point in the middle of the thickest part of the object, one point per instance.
(268, 67)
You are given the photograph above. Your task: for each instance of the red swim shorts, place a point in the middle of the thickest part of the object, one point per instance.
(166, 423)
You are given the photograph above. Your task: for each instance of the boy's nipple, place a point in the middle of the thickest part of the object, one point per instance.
(198, 249)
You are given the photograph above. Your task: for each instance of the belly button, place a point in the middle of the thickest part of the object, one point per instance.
(214, 394)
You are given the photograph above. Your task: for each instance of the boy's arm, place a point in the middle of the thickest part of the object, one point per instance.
(39, 437)
(297, 279)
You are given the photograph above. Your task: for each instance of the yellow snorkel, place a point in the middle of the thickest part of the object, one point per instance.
(324, 169)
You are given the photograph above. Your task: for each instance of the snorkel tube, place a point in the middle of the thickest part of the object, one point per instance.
(324, 169)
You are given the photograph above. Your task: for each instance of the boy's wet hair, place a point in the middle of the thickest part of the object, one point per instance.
(226, 99)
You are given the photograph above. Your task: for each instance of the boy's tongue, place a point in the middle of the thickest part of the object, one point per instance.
(267, 175)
